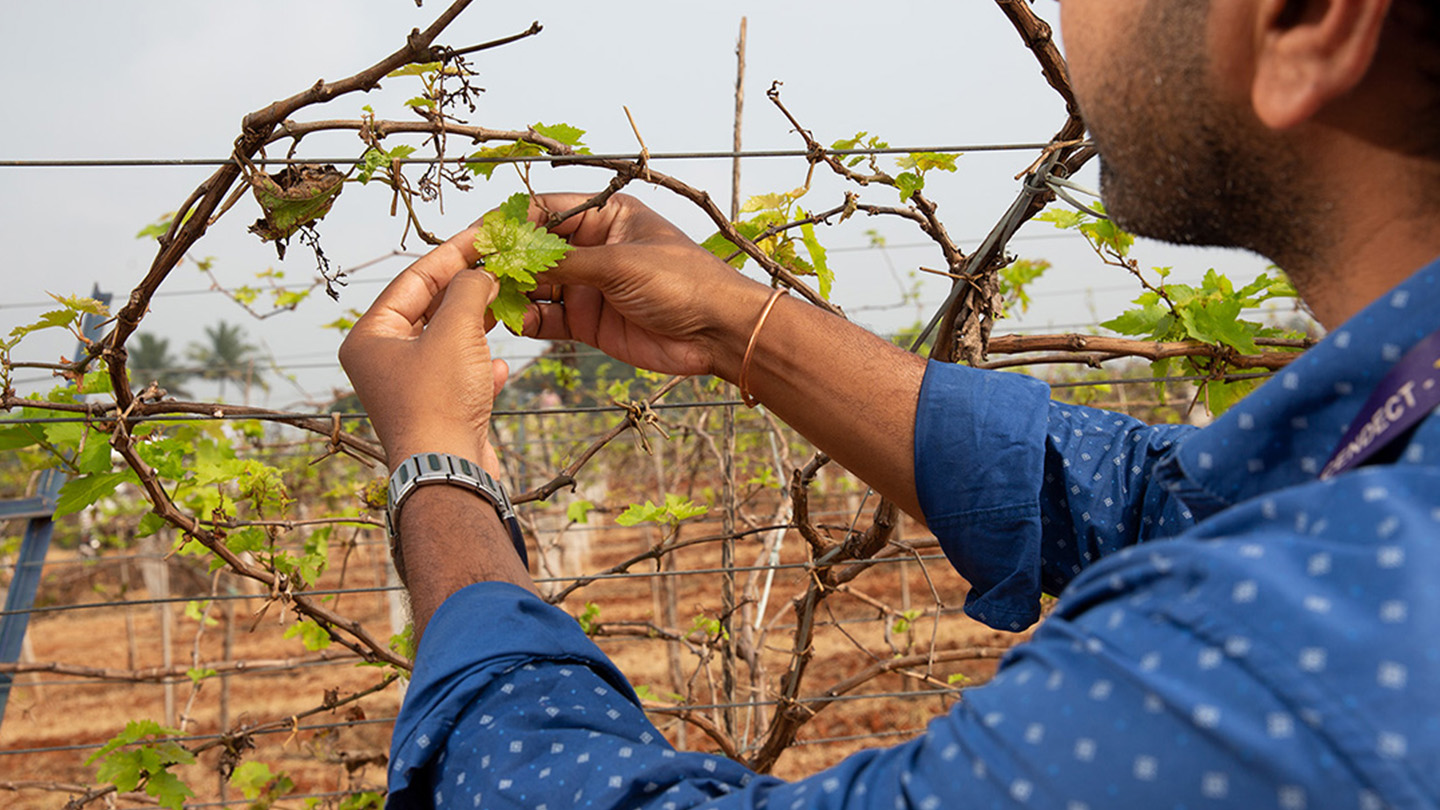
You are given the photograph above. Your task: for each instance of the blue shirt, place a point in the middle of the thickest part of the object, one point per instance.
(1231, 631)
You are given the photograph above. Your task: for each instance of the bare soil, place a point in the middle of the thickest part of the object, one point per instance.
(50, 714)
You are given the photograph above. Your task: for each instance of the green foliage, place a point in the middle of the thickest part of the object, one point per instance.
(672, 512)
(259, 785)
(566, 376)
(375, 160)
(78, 493)
(145, 763)
(403, 642)
(579, 511)
(1210, 313)
(590, 618)
(862, 140)
(484, 162)
(1015, 280)
(708, 627)
(294, 198)
(957, 677)
(312, 635)
(774, 215)
(644, 692)
(904, 622)
(514, 250)
(198, 674)
(366, 800)
(195, 609)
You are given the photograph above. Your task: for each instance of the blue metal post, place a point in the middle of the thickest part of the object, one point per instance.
(38, 509)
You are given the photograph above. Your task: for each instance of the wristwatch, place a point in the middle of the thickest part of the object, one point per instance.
(442, 468)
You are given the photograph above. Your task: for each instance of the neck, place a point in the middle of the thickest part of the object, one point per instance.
(1375, 224)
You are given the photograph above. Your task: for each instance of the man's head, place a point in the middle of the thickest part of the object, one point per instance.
(1215, 118)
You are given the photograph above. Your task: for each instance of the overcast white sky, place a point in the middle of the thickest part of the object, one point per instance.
(173, 78)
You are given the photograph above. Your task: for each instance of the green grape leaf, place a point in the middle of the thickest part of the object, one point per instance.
(925, 161)
(1151, 320)
(375, 159)
(149, 524)
(514, 251)
(579, 511)
(415, 69)
(312, 635)
(908, 183)
(509, 307)
(94, 456)
(169, 790)
(817, 259)
(421, 101)
(1062, 218)
(589, 618)
(1218, 321)
(516, 207)
(1106, 233)
(18, 437)
(198, 674)
(78, 493)
(564, 133)
(482, 162)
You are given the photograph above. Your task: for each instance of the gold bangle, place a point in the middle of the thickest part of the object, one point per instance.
(745, 395)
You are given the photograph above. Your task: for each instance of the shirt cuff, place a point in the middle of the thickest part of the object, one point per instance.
(979, 463)
(479, 634)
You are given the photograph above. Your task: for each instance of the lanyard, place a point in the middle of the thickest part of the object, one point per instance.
(1408, 394)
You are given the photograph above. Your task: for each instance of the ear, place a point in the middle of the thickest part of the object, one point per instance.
(1309, 52)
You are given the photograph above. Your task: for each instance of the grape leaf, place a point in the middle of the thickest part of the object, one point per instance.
(312, 635)
(78, 493)
(925, 161)
(415, 69)
(817, 259)
(579, 511)
(564, 133)
(514, 250)
(909, 183)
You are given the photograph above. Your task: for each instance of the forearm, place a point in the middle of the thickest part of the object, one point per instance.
(451, 538)
(848, 391)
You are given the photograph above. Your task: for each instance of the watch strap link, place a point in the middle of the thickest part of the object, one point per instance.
(422, 469)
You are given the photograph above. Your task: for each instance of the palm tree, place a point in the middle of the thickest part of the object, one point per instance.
(227, 357)
(151, 361)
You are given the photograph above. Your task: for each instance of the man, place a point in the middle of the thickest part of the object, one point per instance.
(1232, 631)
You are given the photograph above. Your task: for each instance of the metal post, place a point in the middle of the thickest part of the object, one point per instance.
(38, 509)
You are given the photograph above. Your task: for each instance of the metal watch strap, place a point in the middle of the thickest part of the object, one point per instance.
(442, 468)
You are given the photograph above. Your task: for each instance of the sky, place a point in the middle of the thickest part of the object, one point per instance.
(173, 79)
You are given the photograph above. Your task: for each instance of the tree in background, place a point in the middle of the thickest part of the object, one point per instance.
(227, 357)
(151, 361)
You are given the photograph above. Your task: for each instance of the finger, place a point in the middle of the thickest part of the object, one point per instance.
(546, 321)
(461, 314)
(500, 373)
(412, 297)
(623, 218)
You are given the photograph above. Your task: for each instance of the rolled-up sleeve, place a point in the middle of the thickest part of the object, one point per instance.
(1024, 493)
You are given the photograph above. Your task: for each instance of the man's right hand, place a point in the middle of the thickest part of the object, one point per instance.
(638, 289)
(641, 291)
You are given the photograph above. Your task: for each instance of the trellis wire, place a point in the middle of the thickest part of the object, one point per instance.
(127, 163)
(227, 597)
(822, 699)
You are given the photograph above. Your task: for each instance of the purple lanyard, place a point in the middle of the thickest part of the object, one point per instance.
(1408, 394)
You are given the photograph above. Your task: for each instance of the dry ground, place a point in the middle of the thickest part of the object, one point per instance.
(48, 713)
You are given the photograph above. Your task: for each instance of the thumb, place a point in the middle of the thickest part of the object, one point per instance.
(461, 314)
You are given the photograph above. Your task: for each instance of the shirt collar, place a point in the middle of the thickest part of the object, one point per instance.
(1284, 431)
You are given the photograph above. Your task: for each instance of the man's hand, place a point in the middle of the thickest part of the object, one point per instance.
(419, 359)
(421, 366)
(641, 291)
